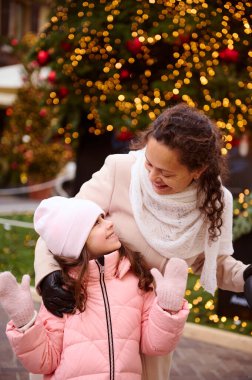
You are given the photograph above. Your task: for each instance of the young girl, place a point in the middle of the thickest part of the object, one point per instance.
(117, 312)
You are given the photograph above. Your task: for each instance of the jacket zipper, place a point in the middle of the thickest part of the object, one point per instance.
(108, 320)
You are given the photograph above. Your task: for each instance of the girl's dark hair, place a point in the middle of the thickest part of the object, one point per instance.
(198, 142)
(75, 274)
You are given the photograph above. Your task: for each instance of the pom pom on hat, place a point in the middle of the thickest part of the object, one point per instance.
(65, 223)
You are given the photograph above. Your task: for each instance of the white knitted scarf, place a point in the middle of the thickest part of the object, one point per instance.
(172, 224)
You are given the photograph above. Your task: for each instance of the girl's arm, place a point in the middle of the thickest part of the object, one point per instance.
(39, 348)
(164, 316)
(161, 330)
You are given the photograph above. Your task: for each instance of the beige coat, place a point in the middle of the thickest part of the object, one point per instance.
(109, 187)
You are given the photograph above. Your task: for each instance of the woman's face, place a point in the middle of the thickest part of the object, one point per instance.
(166, 173)
(102, 238)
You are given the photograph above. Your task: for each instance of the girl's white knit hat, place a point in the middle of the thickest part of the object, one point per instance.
(65, 223)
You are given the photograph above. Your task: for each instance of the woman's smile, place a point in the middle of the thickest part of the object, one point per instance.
(159, 187)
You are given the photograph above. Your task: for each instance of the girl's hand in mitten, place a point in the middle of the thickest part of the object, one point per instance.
(16, 299)
(170, 288)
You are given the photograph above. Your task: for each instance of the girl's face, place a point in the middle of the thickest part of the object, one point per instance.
(166, 173)
(102, 238)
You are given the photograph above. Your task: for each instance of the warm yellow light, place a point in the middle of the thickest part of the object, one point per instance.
(203, 80)
(147, 73)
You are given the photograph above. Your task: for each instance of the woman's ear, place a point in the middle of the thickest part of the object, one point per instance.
(198, 173)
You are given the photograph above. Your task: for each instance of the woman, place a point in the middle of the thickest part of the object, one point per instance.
(166, 200)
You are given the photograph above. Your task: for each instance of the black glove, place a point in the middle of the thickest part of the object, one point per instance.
(56, 299)
(247, 275)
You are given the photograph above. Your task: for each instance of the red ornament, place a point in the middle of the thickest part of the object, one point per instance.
(125, 74)
(235, 142)
(43, 57)
(182, 38)
(63, 92)
(14, 165)
(66, 46)
(134, 46)
(176, 97)
(14, 42)
(52, 76)
(229, 55)
(42, 112)
(124, 136)
(9, 111)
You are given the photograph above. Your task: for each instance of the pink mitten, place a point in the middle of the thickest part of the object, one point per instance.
(170, 288)
(16, 299)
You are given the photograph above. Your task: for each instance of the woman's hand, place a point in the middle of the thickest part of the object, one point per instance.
(56, 299)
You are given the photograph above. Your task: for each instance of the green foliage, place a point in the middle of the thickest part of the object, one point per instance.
(242, 215)
(203, 310)
(17, 247)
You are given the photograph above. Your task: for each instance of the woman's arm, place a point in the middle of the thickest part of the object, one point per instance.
(230, 274)
(99, 188)
(229, 270)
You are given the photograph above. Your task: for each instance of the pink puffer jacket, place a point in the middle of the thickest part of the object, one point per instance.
(104, 341)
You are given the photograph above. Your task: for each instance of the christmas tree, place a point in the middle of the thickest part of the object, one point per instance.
(31, 151)
(118, 64)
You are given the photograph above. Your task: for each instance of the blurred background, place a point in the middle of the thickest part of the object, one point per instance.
(78, 79)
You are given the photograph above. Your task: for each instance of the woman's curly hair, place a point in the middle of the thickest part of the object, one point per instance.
(198, 142)
(75, 274)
